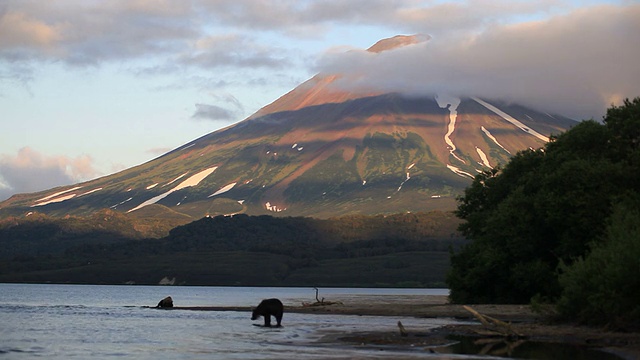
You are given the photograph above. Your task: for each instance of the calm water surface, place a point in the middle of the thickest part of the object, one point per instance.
(111, 322)
(103, 321)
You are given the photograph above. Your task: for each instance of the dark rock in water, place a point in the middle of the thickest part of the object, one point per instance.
(165, 303)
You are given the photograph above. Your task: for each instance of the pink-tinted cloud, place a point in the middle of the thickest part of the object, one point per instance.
(91, 32)
(30, 171)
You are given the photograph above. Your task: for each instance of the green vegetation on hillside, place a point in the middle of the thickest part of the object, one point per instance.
(559, 223)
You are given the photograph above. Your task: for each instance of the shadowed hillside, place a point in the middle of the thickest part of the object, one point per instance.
(398, 250)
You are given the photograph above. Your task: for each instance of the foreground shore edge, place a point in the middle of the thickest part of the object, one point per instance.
(530, 325)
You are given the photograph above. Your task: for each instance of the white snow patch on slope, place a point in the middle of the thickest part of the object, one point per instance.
(405, 180)
(152, 186)
(191, 181)
(223, 189)
(120, 203)
(294, 145)
(512, 120)
(273, 208)
(89, 192)
(452, 102)
(483, 157)
(176, 179)
(195, 179)
(58, 193)
(459, 172)
(490, 136)
(55, 200)
(153, 200)
(408, 176)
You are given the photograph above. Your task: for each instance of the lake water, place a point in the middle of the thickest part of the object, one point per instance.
(104, 321)
(112, 322)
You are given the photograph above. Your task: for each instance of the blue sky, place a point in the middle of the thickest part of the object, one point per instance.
(88, 88)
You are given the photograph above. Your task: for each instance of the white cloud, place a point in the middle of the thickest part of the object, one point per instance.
(232, 50)
(90, 33)
(575, 65)
(474, 42)
(226, 32)
(220, 113)
(213, 112)
(314, 18)
(30, 171)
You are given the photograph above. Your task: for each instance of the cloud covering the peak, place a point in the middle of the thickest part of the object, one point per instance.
(575, 65)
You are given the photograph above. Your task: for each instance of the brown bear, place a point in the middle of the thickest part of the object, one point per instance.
(165, 303)
(266, 309)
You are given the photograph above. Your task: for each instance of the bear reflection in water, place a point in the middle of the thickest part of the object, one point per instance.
(266, 309)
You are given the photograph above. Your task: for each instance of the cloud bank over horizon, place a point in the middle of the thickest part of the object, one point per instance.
(575, 65)
(31, 171)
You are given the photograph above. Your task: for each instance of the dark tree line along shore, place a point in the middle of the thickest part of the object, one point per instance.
(393, 250)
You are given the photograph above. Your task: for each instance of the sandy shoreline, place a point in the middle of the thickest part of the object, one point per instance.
(426, 306)
(532, 326)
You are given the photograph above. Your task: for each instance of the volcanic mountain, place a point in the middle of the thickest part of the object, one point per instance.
(318, 151)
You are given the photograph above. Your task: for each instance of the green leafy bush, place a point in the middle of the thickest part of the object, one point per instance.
(604, 287)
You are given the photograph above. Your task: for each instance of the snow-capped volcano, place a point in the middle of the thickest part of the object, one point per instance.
(320, 150)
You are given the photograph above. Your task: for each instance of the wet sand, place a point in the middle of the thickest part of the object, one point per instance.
(429, 306)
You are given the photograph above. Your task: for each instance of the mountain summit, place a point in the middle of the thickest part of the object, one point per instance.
(319, 151)
(397, 41)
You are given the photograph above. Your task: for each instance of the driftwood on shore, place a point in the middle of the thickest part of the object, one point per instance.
(493, 325)
(498, 337)
(403, 331)
(320, 302)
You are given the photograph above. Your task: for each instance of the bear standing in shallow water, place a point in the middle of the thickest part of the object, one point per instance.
(266, 308)
(165, 303)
